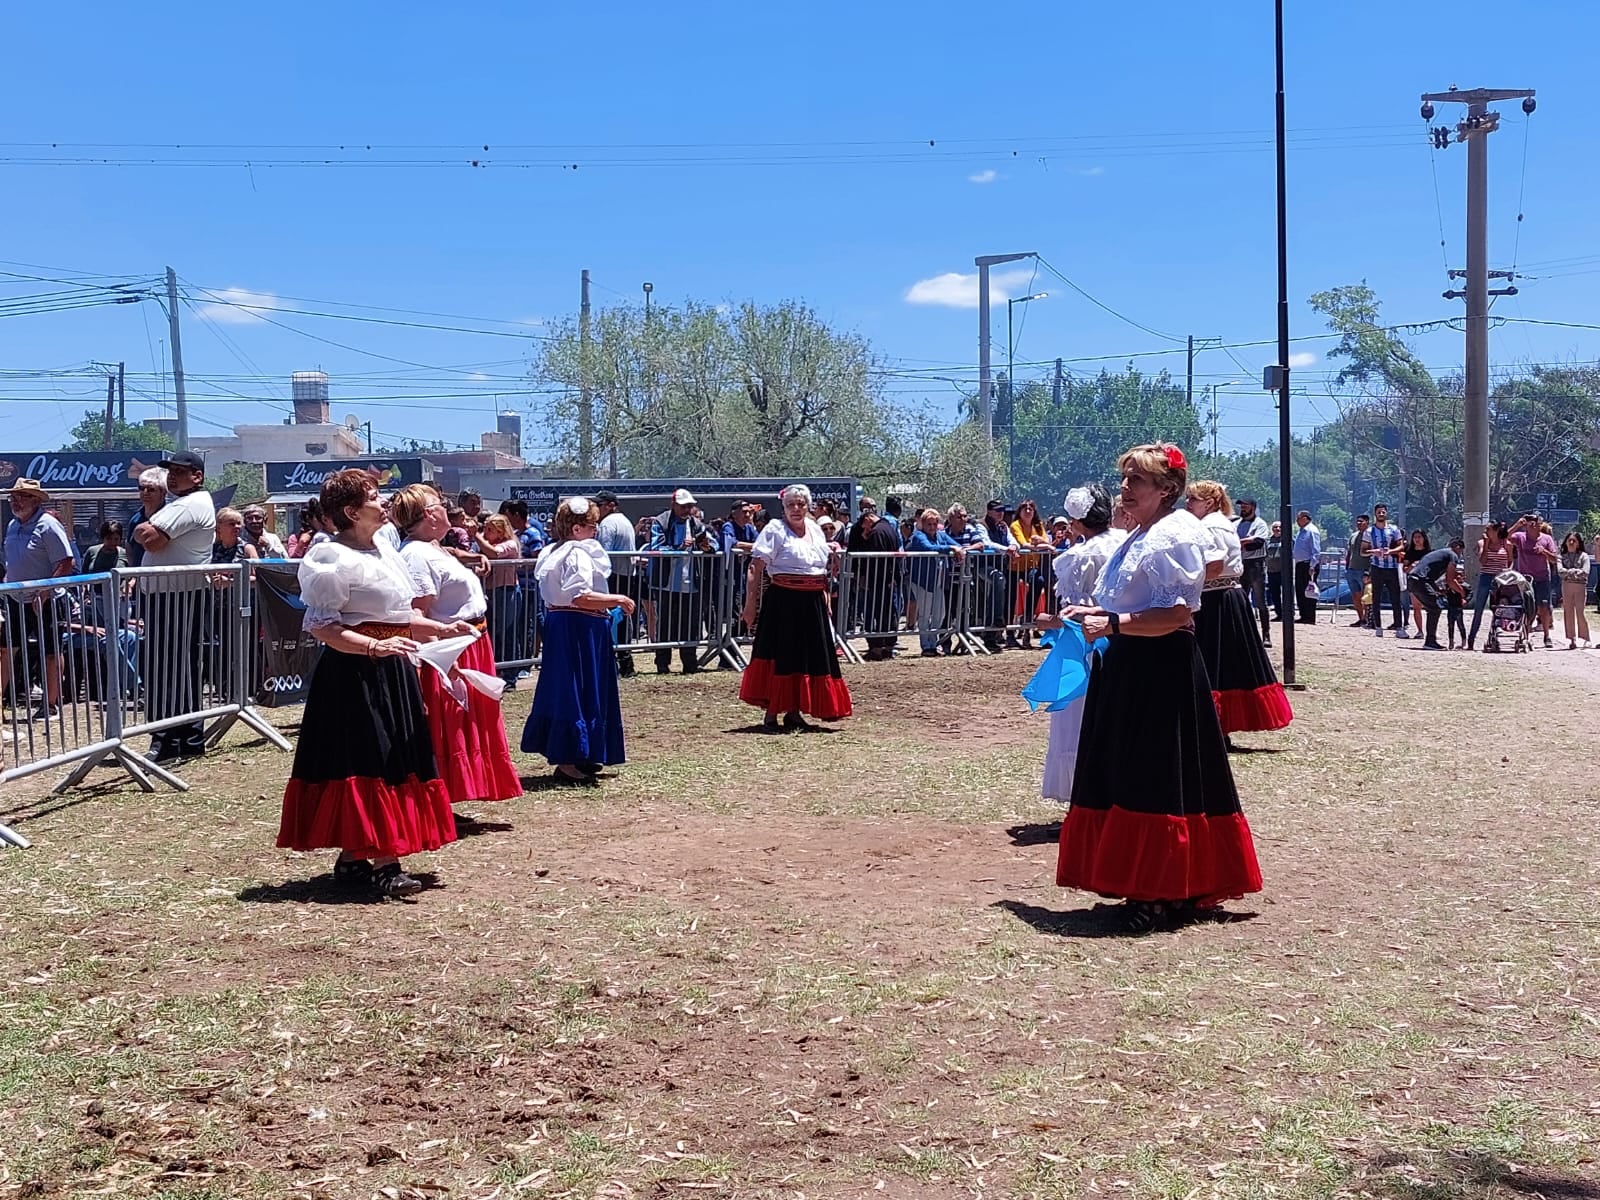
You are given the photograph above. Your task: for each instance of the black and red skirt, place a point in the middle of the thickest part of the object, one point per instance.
(1155, 814)
(364, 779)
(793, 667)
(469, 744)
(1244, 686)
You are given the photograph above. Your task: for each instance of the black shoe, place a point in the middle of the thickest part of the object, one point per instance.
(770, 725)
(393, 883)
(627, 672)
(562, 779)
(1432, 646)
(352, 872)
(931, 654)
(794, 722)
(44, 712)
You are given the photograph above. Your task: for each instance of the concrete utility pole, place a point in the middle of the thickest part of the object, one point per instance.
(1474, 130)
(1055, 388)
(122, 393)
(586, 400)
(1189, 379)
(1279, 374)
(177, 359)
(111, 397)
(985, 382)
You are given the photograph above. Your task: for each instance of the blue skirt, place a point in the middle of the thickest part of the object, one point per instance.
(576, 715)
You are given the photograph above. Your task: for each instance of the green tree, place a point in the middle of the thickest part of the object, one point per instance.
(248, 478)
(705, 389)
(90, 434)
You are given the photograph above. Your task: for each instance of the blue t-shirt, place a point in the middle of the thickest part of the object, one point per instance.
(35, 546)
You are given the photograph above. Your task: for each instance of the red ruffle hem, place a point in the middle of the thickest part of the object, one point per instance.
(820, 696)
(1153, 856)
(1251, 711)
(366, 818)
(469, 744)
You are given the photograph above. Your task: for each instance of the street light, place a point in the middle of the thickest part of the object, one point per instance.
(1011, 383)
(648, 288)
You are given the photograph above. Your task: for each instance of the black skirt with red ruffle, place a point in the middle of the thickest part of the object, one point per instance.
(793, 666)
(364, 778)
(1244, 687)
(1155, 814)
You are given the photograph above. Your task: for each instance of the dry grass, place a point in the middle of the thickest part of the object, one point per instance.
(834, 964)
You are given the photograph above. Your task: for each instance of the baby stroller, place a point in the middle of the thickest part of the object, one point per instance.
(1511, 598)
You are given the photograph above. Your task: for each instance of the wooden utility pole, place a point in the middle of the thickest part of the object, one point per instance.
(586, 399)
(177, 360)
(111, 398)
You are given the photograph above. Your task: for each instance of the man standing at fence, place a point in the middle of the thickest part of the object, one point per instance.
(37, 547)
(677, 580)
(1307, 558)
(267, 544)
(1253, 544)
(179, 534)
(616, 538)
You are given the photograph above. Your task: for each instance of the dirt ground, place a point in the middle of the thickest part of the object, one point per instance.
(835, 964)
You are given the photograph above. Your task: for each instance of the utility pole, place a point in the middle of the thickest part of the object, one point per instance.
(1280, 374)
(1055, 388)
(985, 383)
(177, 359)
(1189, 386)
(586, 400)
(122, 393)
(1214, 389)
(1474, 130)
(111, 396)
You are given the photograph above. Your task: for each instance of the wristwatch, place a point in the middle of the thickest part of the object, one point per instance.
(1116, 622)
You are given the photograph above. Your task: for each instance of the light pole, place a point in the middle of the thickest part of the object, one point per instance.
(648, 288)
(985, 388)
(1011, 385)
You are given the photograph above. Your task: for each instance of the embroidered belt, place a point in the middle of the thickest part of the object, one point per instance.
(569, 608)
(481, 624)
(1221, 584)
(380, 629)
(802, 583)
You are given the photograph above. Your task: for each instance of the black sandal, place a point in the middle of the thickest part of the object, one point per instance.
(770, 725)
(794, 721)
(393, 883)
(1144, 916)
(353, 872)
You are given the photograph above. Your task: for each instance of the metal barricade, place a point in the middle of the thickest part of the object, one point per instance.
(515, 618)
(992, 582)
(194, 660)
(68, 671)
(876, 601)
(682, 600)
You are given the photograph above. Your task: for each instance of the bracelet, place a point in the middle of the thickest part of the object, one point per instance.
(1116, 622)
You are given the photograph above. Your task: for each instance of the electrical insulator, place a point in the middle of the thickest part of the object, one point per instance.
(1529, 104)
(1427, 111)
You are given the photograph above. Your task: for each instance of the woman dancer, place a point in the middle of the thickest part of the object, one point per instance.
(1155, 817)
(576, 719)
(793, 668)
(1077, 572)
(1243, 684)
(469, 744)
(364, 779)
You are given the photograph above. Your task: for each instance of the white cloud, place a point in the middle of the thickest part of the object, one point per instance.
(236, 306)
(988, 176)
(478, 377)
(955, 290)
(1304, 359)
(1091, 171)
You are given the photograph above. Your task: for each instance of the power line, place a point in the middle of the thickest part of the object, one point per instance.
(1101, 304)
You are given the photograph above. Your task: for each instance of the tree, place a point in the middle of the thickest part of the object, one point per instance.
(90, 434)
(249, 480)
(722, 391)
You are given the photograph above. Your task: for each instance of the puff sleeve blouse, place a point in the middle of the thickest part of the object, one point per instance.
(1161, 566)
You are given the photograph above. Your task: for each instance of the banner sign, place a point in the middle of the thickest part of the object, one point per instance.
(78, 470)
(288, 654)
(307, 475)
(714, 495)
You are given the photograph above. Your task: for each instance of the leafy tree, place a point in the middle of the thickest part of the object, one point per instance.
(249, 479)
(90, 434)
(723, 391)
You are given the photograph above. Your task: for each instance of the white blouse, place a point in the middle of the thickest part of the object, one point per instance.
(1224, 547)
(1159, 567)
(455, 591)
(786, 552)
(342, 586)
(572, 569)
(1078, 568)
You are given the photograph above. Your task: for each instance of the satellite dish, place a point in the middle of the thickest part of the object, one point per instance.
(352, 423)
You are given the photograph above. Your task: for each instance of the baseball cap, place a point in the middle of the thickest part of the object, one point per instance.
(683, 496)
(605, 496)
(997, 506)
(186, 459)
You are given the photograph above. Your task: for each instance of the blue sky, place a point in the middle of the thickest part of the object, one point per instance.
(729, 151)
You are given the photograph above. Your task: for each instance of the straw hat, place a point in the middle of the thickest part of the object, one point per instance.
(29, 487)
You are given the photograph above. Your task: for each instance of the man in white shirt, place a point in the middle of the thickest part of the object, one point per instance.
(616, 536)
(267, 543)
(178, 534)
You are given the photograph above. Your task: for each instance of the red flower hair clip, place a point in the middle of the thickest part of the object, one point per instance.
(1175, 459)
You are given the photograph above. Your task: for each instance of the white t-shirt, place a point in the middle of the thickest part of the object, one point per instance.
(786, 552)
(390, 534)
(616, 536)
(190, 522)
(343, 586)
(1078, 568)
(455, 592)
(572, 569)
(1224, 547)
(1159, 567)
